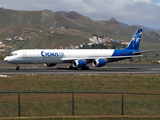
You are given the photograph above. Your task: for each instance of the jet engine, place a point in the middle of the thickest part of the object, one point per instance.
(49, 64)
(78, 63)
(98, 62)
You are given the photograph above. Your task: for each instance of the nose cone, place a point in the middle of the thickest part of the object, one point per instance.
(6, 59)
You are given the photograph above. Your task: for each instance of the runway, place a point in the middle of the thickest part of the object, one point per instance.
(111, 68)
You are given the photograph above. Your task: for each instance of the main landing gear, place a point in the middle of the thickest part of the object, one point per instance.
(71, 67)
(18, 67)
(85, 68)
(82, 68)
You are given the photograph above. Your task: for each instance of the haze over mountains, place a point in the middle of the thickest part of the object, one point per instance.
(140, 26)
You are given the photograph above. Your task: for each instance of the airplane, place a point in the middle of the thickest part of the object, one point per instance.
(79, 58)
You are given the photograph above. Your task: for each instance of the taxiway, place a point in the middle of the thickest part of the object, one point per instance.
(111, 68)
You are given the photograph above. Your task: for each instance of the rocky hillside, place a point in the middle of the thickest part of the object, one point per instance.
(74, 15)
(45, 29)
(158, 32)
(46, 19)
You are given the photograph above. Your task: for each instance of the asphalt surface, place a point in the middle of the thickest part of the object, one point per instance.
(111, 68)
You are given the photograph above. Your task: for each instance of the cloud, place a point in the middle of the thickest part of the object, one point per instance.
(143, 12)
(158, 4)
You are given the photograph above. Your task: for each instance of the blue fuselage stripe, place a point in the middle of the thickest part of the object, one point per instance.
(124, 52)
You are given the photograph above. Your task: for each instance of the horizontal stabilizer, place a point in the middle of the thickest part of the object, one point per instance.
(126, 56)
(144, 51)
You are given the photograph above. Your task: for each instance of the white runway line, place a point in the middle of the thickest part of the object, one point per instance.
(3, 75)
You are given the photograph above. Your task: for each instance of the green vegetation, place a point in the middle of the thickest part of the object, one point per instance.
(17, 23)
(85, 104)
(76, 30)
(103, 83)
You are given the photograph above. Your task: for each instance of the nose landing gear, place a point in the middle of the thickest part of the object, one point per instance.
(18, 67)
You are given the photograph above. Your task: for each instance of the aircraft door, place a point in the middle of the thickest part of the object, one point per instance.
(24, 54)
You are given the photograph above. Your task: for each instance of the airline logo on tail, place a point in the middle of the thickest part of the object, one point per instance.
(134, 44)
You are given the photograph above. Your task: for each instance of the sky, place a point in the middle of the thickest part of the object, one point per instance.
(131, 12)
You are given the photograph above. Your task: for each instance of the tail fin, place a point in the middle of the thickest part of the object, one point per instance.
(134, 44)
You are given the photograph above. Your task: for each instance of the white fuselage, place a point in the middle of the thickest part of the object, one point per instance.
(33, 56)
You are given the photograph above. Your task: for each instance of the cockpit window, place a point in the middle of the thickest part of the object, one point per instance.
(13, 54)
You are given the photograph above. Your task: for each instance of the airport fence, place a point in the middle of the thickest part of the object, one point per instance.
(121, 94)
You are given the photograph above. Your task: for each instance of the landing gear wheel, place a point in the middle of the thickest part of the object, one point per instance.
(71, 67)
(17, 68)
(85, 68)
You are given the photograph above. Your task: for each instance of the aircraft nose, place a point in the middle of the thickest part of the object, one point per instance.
(6, 59)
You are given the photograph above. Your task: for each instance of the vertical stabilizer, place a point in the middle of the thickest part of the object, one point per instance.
(134, 44)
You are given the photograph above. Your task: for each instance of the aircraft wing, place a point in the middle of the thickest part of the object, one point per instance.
(92, 58)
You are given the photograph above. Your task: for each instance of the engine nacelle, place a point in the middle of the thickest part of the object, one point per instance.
(98, 62)
(78, 63)
(49, 64)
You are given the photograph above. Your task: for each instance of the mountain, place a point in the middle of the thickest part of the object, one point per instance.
(146, 28)
(158, 32)
(45, 29)
(139, 26)
(25, 18)
(45, 19)
(74, 15)
(123, 24)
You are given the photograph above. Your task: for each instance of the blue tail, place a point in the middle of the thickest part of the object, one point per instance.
(134, 44)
